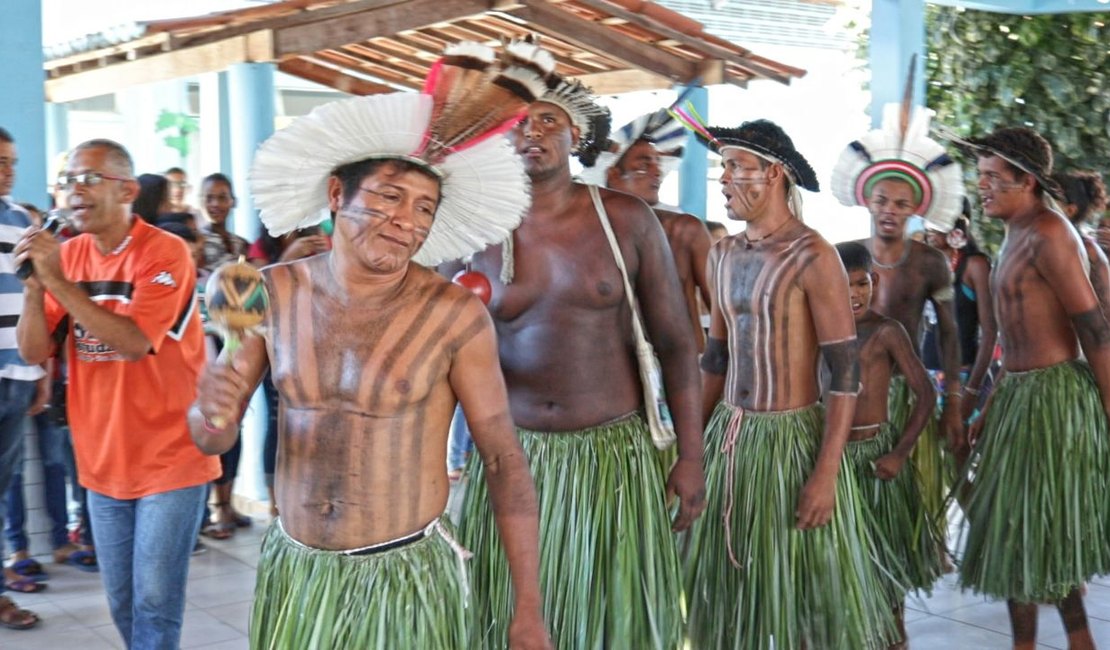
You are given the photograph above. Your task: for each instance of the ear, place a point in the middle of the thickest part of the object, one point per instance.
(575, 135)
(612, 176)
(1070, 209)
(335, 194)
(874, 280)
(129, 191)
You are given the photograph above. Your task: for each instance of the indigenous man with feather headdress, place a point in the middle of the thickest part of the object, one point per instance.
(897, 171)
(636, 159)
(783, 557)
(608, 561)
(1037, 511)
(370, 351)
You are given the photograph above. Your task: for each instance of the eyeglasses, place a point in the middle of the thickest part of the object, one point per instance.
(181, 185)
(91, 179)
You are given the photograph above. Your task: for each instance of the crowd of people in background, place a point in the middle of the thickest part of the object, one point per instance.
(825, 495)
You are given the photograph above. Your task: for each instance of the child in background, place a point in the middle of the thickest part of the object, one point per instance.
(909, 540)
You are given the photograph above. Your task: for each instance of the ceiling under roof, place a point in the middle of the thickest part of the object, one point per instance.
(373, 46)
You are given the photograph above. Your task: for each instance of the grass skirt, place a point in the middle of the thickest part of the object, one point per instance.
(609, 566)
(909, 557)
(817, 587)
(409, 598)
(936, 468)
(1039, 513)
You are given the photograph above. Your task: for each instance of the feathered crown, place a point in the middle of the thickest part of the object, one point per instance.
(592, 119)
(902, 149)
(470, 96)
(659, 128)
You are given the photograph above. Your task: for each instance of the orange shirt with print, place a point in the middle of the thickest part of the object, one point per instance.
(128, 418)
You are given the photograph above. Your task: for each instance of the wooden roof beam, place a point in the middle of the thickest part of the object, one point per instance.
(328, 76)
(384, 21)
(160, 67)
(597, 38)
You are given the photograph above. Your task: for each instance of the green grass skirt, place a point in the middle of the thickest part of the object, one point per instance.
(409, 598)
(909, 554)
(819, 587)
(609, 566)
(936, 468)
(1038, 512)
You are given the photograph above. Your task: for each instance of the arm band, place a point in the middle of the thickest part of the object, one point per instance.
(715, 358)
(944, 294)
(843, 361)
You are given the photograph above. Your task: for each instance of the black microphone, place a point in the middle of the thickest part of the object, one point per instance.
(57, 219)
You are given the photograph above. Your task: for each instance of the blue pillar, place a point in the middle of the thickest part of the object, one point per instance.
(24, 96)
(694, 170)
(57, 136)
(897, 33)
(251, 94)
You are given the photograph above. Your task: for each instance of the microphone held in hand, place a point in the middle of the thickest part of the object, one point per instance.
(55, 221)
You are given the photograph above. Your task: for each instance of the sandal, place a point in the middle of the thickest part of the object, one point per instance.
(24, 585)
(28, 568)
(219, 530)
(14, 618)
(84, 559)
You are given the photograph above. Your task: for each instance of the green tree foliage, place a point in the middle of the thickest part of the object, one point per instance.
(180, 127)
(1047, 72)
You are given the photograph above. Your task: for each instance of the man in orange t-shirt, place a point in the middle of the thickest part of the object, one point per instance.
(121, 297)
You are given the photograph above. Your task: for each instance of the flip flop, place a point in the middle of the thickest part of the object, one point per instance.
(24, 586)
(29, 568)
(219, 531)
(8, 607)
(82, 559)
(243, 521)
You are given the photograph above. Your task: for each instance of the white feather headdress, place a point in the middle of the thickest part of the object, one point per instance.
(659, 128)
(453, 128)
(902, 149)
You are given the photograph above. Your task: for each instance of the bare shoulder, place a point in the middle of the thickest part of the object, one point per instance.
(627, 213)
(282, 273)
(1054, 227)
(928, 257)
(890, 331)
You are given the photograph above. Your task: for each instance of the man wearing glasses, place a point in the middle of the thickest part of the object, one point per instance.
(120, 296)
(178, 185)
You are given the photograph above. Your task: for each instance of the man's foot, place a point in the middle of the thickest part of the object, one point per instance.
(81, 557)
(22, 584)
(11, 616)
(27, 566)
(220, 530)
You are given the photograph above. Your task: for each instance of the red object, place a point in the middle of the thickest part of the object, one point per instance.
(476, 282)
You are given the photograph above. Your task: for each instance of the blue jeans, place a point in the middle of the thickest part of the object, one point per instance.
(15, 399)
(143, 547)
(52, 450)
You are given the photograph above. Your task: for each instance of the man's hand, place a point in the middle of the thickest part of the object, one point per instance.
(888, 466)
(968, 403)
(527, 631)
(42, 396)
(220, 394)
(953, 427)
(687, 480)
(816, 502)
(45, 255)
(304, 247)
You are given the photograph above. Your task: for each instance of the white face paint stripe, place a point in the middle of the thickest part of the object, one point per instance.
(766, 384)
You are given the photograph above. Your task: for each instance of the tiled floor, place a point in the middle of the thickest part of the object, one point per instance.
(75, 613)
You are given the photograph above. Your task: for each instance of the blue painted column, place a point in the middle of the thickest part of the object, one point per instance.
(22, 111)
(248, 113)
(692, 173)
(252, 98)
(57, 137)
(897, 33)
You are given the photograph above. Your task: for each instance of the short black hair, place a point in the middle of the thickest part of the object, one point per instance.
(218, 178)
(854, 256)
(5, 136)
(1085, 190)
(351, 174)
(153, 189)
(179, 229)
(175, 170)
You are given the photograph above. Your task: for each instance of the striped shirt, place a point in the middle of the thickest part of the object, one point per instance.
(13, 221)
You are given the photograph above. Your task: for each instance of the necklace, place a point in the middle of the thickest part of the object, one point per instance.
(905, 254)
(748, 242)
